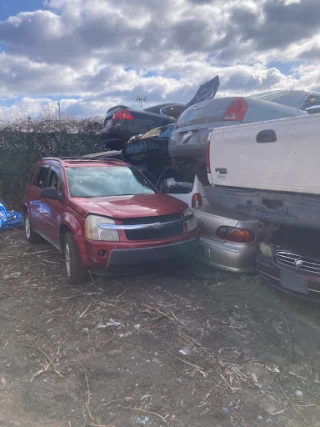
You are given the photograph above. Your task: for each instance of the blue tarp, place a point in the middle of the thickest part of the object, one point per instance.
(9, 219)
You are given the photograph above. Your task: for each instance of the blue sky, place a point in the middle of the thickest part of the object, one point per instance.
(12, 7)
(92, 54)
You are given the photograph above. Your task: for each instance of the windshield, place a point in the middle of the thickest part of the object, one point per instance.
(97, 181)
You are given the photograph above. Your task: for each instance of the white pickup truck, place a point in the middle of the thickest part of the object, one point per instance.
(268, 170)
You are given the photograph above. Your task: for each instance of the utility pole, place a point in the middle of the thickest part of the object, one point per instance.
(141, 99)
(59, 111)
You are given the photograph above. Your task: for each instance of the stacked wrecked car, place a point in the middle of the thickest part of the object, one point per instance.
(245, 166)
(177, 158)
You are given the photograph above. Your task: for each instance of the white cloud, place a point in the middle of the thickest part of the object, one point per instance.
(105, 52)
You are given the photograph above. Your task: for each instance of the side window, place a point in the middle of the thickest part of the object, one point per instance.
(42, 178)
(312, 104)
(55, 180)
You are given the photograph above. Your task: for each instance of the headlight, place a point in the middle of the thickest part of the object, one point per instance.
(187, 213)
(97, 228)
(265, 250)
(189, 220)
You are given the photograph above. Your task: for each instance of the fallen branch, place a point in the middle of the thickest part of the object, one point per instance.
(143, 411)
(180, 321)
(50, 361)
(82, 314)
(196, 367)
(294, 406)
(37, 253)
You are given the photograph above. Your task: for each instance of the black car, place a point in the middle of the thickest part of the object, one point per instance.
(121, 122)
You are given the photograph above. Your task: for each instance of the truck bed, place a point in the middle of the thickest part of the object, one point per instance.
(277, 155)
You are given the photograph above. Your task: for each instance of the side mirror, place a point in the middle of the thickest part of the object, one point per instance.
(50, 193)
(313, 110)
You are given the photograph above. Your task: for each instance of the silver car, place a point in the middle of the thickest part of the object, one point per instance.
(188, 141)
(229, 241)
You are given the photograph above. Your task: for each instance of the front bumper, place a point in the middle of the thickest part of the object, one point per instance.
(131, 260)
(229, 256)
(271, 274)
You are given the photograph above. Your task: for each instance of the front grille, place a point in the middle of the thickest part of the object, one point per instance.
(173, 228)
(298, 262)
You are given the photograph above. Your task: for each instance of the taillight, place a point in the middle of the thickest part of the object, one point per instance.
(238, 235)
(196, 200)
(208, 157)
(236, 110)
(122, 115)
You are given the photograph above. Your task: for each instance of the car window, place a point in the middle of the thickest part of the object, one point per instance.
(42, 178)
(312, 101)
(55, 180)
(270, 95)
(107, 181)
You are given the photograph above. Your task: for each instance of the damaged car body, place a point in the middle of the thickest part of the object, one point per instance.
(290, 260)
(188, 141)
(106, 218)
(121, 123)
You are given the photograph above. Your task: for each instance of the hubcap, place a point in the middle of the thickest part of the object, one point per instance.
(67, 259)
(27, 226)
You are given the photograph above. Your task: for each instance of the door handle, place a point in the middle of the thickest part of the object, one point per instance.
(267, 135)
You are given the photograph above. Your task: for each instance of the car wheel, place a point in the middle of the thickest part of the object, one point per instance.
(30, 235)
(76, 272)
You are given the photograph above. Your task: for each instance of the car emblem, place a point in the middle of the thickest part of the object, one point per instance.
(298, 263)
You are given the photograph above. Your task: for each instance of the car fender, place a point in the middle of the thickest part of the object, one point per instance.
(70, 221)
(74, 225)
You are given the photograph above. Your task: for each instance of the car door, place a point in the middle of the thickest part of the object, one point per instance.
(37, 209)
(52, 209)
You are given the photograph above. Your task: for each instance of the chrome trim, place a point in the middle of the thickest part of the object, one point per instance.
(313, 290)
(154, 226)
(298, 262)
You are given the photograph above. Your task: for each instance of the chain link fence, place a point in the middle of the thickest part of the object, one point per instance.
(19, 151)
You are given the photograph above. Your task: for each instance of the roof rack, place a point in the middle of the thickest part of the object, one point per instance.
(84, 159)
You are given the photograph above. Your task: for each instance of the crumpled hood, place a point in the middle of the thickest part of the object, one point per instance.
(121, 207)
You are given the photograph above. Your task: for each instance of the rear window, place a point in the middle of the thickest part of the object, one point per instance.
(107, 181)
(270, 96)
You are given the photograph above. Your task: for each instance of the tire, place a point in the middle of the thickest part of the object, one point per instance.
(30, 235)
(75, 271)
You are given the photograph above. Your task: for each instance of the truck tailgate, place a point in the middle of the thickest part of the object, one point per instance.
(278, 155)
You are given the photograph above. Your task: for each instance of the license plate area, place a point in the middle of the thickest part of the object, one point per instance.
(294, 282)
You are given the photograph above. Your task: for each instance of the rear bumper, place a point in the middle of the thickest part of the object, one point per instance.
(188, 151)
(233, 257)
(269, 206)
(127, 261)
(270, 273)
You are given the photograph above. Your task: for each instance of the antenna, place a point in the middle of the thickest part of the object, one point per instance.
(141, 99)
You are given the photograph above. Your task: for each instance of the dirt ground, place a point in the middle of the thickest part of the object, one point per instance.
(186, 347)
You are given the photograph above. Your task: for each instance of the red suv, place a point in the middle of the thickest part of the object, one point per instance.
(105, 216)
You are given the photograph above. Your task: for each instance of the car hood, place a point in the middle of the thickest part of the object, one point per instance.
(121, 207)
